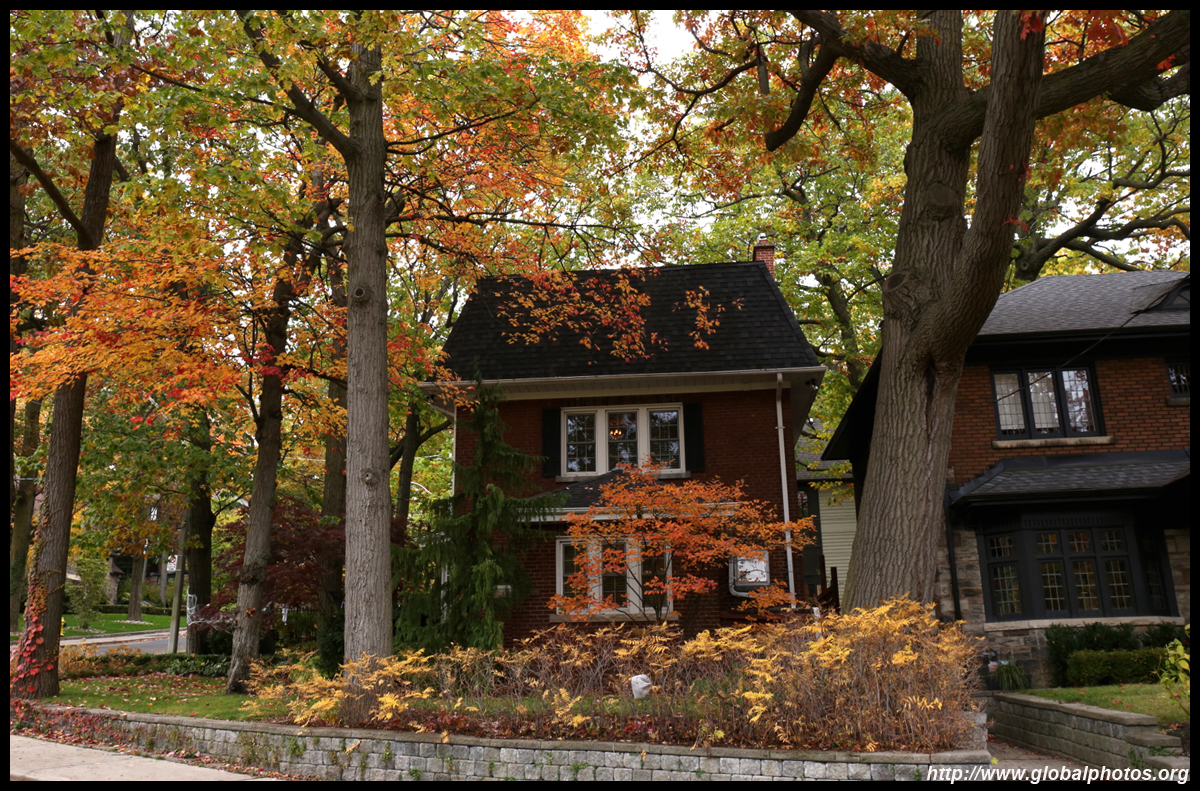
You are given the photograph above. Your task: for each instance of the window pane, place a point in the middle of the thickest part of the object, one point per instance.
(1180, 375)
(581, 443)
(1080, 416)
(622, 439)
(1120, 589)
(652, 582)
(1041, 396)
(569, 569)
(1054, 587)
(1006, 590)
(1112, 541)
(1008, 403)
(1086, 595)
(1080, 541)
(1047, 543)
(613, 580)
(1000, 547)
(664, 438)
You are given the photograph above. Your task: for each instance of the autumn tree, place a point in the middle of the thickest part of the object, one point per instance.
(976, 93)
(650, 544)
(458, 87)
(100, 42)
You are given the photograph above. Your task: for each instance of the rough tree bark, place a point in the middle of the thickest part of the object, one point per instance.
(269, 439)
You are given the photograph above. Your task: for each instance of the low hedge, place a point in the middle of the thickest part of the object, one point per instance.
(124, 608)
(81, 663)
(1098, 668)
(1062, 641)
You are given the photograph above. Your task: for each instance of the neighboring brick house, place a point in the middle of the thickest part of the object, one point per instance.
(702, 410)
(1070, 461)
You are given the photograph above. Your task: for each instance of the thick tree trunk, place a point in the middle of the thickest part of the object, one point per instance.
(37, 654)
(251, 579)
(200, 520)
(943, 285)
(137, 576)
(368, 496)
(163, 558)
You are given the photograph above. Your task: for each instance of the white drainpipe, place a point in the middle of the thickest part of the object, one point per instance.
(783, 479)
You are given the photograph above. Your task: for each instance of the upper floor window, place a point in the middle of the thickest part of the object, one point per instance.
(1179, 374)
(1035, 403)
(598, 440)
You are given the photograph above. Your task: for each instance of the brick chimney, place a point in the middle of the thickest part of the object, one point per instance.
(764, 250)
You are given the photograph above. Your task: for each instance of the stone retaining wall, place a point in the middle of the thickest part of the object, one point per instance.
(1091, 735)
(349, 754)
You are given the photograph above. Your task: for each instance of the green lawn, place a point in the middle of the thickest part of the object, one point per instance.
(1149, 699)
(110, 623)
(158, 693)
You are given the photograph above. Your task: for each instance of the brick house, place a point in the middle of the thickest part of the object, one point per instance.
(1067, 486)
(724, 408)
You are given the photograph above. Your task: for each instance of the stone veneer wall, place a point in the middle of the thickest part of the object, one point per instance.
(349, 754)
(1099, 737)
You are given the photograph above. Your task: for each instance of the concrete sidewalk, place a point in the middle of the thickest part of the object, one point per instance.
(34, 759)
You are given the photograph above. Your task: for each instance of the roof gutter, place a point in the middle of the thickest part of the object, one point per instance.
(680, 381)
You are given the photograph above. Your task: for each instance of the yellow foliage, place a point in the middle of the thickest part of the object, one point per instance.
(905, 677)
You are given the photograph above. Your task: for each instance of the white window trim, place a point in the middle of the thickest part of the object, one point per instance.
(633, 573)
(601, 414)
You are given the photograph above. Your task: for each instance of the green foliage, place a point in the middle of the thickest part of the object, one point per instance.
(89, 593)
(1093, 668)
(1176, 676)
(1165, 635)
(1063, 640)
(463, 575)
(1010, 677)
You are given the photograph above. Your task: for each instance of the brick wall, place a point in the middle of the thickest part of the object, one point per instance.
(1132, 399)
(740, 444)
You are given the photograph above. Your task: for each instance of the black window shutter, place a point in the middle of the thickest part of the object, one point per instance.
(551, 445)
(693, 436)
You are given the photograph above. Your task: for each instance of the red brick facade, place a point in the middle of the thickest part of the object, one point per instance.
(740, 444)
(1132, 400)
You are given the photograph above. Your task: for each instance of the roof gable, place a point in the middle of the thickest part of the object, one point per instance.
(755, 330)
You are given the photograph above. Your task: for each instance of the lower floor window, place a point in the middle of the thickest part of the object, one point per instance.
(1072, 567)
(613, 575)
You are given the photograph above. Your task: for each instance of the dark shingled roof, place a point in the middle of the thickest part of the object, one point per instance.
(1080, 475)
(757, 330)
(1081, 303)
(585, 493)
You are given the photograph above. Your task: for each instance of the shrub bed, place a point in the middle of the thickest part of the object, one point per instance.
(1062, 641)
(83, 662)
(1096, 668)
(892, 678)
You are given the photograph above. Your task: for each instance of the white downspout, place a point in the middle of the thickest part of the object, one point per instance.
(783, 479)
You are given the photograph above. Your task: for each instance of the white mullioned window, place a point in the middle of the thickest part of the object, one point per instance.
(600, 439)
(626, 587)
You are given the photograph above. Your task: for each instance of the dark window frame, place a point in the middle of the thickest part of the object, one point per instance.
(1064, 429)
(1026, 556)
